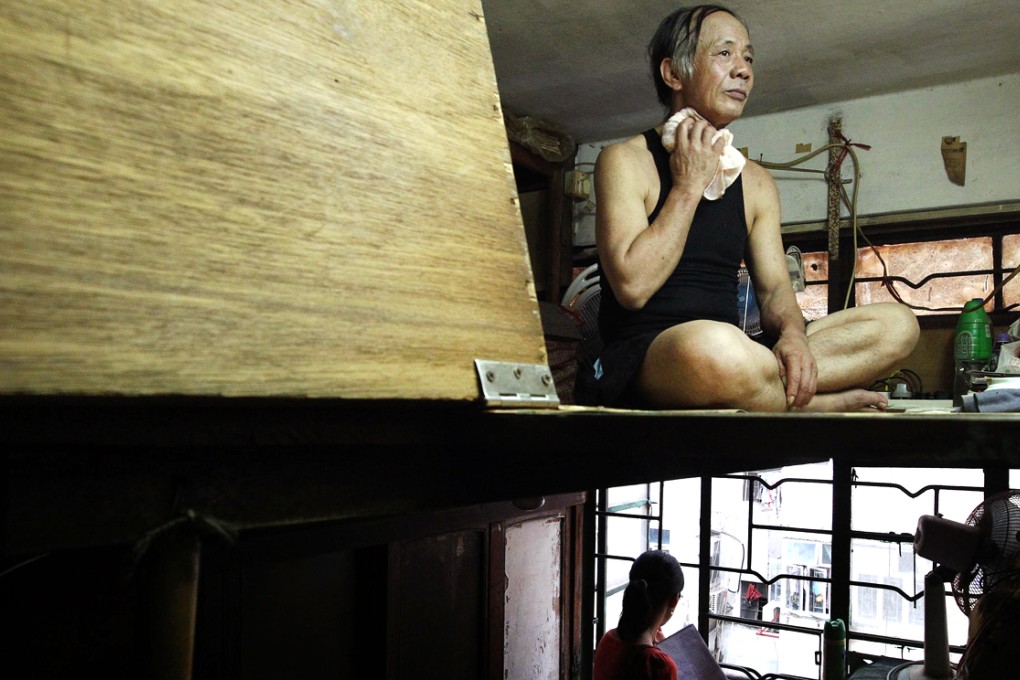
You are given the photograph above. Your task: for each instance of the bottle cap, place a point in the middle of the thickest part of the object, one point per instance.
(973, 305)
(834, 629)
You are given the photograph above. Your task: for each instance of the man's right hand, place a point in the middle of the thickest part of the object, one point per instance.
(695, 160)
(797, 369)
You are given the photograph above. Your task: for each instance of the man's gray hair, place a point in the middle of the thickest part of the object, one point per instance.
(677, 40)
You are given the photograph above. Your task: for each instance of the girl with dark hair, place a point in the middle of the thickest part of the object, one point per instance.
(994, 631)
(628, 652)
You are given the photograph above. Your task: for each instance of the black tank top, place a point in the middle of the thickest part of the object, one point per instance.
(704, 283)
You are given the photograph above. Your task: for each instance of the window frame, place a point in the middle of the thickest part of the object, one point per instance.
(993, 221)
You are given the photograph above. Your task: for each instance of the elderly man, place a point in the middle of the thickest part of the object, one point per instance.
(670, 246)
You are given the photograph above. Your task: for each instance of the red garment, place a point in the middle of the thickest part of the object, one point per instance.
(616, 659)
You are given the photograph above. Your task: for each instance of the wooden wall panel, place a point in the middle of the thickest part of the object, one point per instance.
(256, 198)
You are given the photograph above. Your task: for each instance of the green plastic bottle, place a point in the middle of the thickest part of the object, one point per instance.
(834, 650)
(972, 348)
(973, 334)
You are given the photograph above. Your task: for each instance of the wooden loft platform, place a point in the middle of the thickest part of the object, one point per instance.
(242, 254)
(115, 465)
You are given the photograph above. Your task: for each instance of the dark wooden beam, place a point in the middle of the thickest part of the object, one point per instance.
(83, 473)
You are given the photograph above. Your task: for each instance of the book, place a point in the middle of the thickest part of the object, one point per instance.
(690, 653)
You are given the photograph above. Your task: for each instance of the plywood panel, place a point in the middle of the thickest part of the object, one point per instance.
(256, 198)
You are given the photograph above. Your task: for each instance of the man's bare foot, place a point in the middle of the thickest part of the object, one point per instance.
(842, 402)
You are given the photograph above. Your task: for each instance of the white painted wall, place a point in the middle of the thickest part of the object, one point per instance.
(903, 171)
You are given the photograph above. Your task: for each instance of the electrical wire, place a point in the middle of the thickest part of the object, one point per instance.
(887, 281)
(24, 563)
(903, 376)
(850, 202)
(913, 378)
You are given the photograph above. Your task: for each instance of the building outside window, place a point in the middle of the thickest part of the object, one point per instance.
(770, 558)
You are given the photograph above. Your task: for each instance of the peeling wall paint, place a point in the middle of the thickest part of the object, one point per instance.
(532, 621)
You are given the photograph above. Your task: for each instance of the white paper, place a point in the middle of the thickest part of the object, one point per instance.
(1008, 361)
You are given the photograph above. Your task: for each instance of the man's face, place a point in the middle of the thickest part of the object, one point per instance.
(722, 79)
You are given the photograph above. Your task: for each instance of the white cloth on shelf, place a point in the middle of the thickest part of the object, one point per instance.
(731, 161)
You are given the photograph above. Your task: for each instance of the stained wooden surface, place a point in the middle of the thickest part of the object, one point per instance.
(256, 198)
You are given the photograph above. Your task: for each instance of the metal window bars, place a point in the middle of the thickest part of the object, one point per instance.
(841, 535)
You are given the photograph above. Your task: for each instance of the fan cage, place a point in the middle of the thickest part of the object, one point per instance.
(998, 517)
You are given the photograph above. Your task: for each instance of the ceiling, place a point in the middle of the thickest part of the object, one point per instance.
(579, 65)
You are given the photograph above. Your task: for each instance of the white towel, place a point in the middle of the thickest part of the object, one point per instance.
(731, 161)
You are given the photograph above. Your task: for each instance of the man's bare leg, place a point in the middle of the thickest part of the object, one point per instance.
(857, 346)
(706, 364)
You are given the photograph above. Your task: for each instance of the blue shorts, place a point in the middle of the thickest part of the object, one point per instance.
(609, 380)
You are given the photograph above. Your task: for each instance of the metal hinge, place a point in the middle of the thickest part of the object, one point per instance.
(516, 385)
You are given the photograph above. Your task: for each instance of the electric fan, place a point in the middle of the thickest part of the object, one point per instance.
(582, 298)
(748, 314)
(975, 556)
